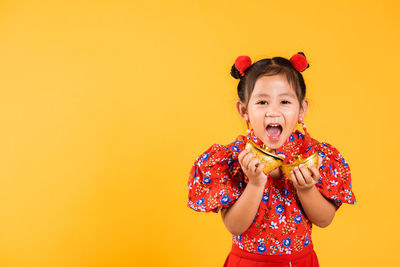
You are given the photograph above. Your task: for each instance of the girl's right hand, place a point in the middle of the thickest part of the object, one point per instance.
(252, 168)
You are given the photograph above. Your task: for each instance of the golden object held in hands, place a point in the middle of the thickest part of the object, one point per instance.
(311, 160)
(269, 160)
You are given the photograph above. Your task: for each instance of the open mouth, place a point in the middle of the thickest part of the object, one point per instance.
(274, 131)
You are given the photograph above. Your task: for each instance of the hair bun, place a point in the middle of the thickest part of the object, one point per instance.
(242, 63)
(299, 62)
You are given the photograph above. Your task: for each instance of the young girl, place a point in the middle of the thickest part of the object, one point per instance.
(271, 215)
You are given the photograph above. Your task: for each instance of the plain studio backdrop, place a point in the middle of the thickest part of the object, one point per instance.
(105, 105)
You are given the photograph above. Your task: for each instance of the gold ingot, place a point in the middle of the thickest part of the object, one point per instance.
(311, 160)
(270, 161)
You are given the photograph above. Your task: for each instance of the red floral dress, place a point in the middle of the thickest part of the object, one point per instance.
(280, 226)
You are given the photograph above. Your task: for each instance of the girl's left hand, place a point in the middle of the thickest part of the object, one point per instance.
(301, 178)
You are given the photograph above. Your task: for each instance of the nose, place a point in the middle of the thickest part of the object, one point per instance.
(272, 111)
(271, 114)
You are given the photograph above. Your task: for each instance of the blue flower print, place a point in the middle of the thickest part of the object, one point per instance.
(344, 162)
(237, 142)
(286, 242)
(288, 250)
(261, 248)
(297, 218)
(291, 138)
(225, 199)
(239, 238)
(200, 201)
(306, 242)
(280, 154)
(330, 169)
(301, 135)
(308, 148)
(235, 148)
(206, 180)
(205, 157)
(280, 209)
(285, 192)
(322, 154)
(265, 198)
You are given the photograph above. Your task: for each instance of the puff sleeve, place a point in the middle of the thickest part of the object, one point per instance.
(215, 179)
(335, 176)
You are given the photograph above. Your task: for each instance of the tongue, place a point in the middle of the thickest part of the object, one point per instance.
(274, 131)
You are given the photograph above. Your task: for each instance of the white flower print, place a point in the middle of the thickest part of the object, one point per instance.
(273, 225)
(334, 183)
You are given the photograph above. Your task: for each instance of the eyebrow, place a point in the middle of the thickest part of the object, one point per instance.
(265, 95)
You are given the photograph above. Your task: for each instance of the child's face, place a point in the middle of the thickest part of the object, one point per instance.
(274, 102)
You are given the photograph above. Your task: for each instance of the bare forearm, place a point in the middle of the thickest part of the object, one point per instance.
(317, 208)
(240, 215)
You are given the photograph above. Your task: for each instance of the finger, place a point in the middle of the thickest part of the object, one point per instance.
(294, 180)
(253, 164)
(299, 176)
(320, 159)
(260, 168)
(246, 159)
(306, 175)
(242, 154)
(315, 173)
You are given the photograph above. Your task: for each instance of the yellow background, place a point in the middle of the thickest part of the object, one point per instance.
(105, 105)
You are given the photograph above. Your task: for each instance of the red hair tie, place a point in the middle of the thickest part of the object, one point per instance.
(299, 61)
(242, 63)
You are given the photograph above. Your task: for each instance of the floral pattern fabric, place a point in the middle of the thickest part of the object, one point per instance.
(280, 226)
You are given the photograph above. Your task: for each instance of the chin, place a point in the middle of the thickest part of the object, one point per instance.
(277, 144)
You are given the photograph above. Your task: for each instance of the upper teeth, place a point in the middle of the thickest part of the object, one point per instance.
(274, 125)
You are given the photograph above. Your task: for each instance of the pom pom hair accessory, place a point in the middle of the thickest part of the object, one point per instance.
(242, 63)
(299, 62)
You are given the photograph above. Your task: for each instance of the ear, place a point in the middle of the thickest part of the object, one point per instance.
(303, 108)
(241, 108)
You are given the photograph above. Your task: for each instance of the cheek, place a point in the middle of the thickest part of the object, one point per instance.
(292, 118)
(256, 115)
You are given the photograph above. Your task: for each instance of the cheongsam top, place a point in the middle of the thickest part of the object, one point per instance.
(280, 225)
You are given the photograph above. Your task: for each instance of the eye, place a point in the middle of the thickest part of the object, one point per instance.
(262, 102)
(285, 102)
